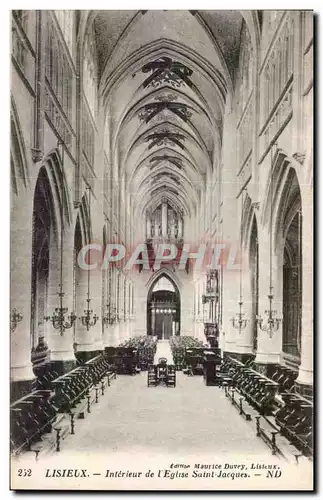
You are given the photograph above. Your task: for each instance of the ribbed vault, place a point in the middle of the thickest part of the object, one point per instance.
(166, 78)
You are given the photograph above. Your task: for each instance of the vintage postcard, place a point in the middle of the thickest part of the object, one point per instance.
(161, 252)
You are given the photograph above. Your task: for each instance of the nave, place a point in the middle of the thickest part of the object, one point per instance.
(161, 207)
(164, 351)
(106, 412)
(191, 418)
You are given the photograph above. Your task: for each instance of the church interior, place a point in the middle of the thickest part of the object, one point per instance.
(175, 147)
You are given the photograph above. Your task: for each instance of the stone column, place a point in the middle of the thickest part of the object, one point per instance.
(200, 324)
(269, 348)
(164, 219)
(148, 225)
(229, 208)
(172, 229)
(153, 320)
(155, 229)
(117, 329)
(114, 329)
(180, 227)
(121, 308)
(107, 328)
(129, 321)
(126, 300)
(89, 340)
(305, 376)
(230, 298)
(21, 373)
(37, 150)
(61, 344)
(245, 337)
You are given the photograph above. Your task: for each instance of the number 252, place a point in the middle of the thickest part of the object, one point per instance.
(24, 472)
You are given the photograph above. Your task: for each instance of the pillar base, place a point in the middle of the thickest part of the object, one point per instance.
(244, 349)
(304, 382)
(84, 356)
(240, 356)
(20, 388)
(63, 366)
(59, 366)
(22, 372)
(304, 390)
(62, 356)
(266, 358)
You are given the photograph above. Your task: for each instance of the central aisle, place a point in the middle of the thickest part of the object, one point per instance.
(188, 419)
(163, 351)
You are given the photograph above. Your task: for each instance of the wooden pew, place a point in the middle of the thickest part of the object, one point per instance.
(295, 420)
(258, 389)
(291, 414)
(39, 420)
(30, 418)
(180, 347)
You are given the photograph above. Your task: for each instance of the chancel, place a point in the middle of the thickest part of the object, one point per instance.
(167, 131)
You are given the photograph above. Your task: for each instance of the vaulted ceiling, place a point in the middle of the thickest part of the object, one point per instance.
(165, 81)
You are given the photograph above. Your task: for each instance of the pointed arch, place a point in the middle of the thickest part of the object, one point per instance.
(53, 164)
(168, 274)
(285, 188)
(51, 214)
(163, 306)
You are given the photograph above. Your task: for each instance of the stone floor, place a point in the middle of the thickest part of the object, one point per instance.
(140, 438)
(190, 418)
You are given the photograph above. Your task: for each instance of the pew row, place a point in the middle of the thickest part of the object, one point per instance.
(43, 418)
(282, 416)
(132, 356)
(187, 353)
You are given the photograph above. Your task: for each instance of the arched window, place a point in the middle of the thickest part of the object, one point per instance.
(60, 84)
(23, 16)
(90, 73)
(243, 91)
(245, 70)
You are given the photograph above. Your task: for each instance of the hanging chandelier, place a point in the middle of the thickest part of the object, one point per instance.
(110, 316)
(271, 323)
(239, 322)
(88, 319)
(58, 319)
